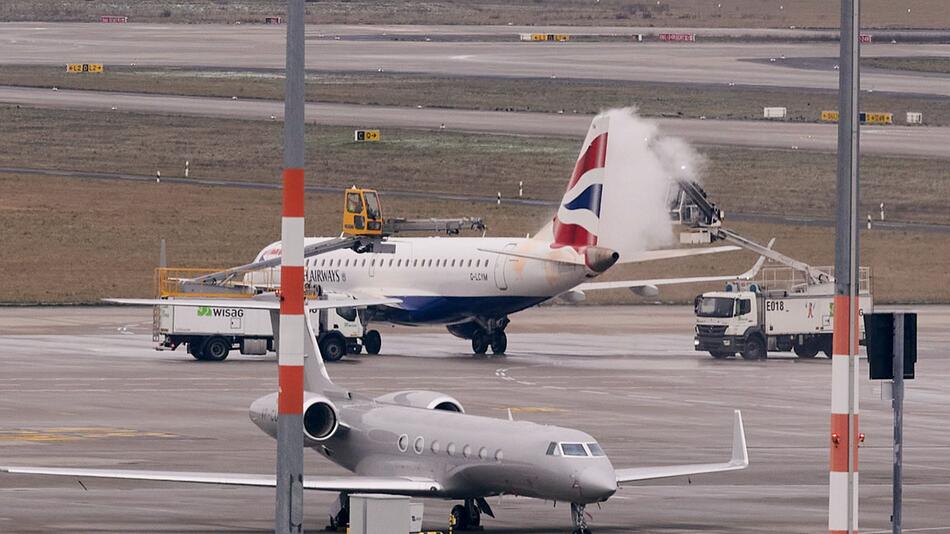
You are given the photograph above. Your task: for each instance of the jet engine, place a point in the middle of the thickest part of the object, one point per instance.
(429, 400)
(320, 421)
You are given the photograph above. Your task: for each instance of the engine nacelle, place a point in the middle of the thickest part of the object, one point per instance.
(320, 417)
(320, 420)
(428, 400)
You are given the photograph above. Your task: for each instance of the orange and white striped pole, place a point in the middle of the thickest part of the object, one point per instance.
(843, 442)
(288, 518)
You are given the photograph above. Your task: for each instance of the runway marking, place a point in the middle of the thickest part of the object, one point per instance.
(61, 434)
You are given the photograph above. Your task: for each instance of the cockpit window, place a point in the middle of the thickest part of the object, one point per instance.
(552, 449)
(573, 449)
(595, 449)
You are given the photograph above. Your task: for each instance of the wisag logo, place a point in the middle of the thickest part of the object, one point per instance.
(204, 311)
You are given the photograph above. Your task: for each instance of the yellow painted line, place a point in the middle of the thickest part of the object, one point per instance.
(62, 434)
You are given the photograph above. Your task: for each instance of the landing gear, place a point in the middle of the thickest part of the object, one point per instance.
(499, 342)
(372, 342)
(480, 342)
(579, 520)
(340, 514)
(468, 516)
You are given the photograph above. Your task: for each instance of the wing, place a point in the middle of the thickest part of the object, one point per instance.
(358, 302)
(739, 460)
(390, 485)
(653, 255)
(633, 284)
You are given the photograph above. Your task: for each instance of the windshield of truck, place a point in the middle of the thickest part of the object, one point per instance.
(715, 307)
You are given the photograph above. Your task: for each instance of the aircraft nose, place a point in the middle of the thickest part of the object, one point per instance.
(598, 483)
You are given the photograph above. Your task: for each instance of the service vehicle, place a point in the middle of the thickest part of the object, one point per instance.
(210, 333)
(779, 312)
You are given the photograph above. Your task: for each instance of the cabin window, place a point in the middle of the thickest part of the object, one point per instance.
(430, 263)
(467, 451)
(399, 263)
(390, 263)
(323, 262)
(415, 263)
(364, 262)
(469, 263)
(483, 453)
(372, 262)
(419, 445)
(552, 449)
(450, 449)
(347, 264)
(573, 449)
(453, 263)
(436, 447)
(595, 449)
(403, 443)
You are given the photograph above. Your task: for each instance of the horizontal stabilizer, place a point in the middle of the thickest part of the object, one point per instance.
(388, 485)
(739, 460)
(668, 254)
(634, 284)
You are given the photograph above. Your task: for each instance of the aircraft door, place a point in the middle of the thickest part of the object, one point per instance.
(501, 263)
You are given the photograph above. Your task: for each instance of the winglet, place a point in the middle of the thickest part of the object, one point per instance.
(740, 453)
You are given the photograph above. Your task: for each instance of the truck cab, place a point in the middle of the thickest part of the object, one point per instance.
(725, 322)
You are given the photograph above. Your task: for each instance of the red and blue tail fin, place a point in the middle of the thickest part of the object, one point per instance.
(578, 217)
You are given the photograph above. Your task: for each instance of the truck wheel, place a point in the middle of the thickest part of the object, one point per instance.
(754, 349)
(333, 348)
(827, 346)
(216, 349)
(372, 342)
(806, 350)
(196, 349)
(721, 355)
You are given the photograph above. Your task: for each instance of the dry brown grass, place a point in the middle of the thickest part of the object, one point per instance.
(732, 13)
(741, 180)
(940, 65)
(483, 93)
(77, 241)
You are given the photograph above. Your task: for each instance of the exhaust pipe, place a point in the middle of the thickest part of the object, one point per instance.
(599, 259)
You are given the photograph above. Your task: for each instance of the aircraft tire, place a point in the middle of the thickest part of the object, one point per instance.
(215, 349)
(480, 342)
(499, 342)
(372, 342)
(460, 517)
(333, 347)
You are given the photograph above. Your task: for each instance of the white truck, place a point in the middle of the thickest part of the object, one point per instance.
(753, 319)
(211, 332)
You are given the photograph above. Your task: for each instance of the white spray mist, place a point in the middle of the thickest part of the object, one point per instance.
(641, 166)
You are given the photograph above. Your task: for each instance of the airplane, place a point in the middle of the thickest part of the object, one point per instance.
(423, 444)
(473, 284)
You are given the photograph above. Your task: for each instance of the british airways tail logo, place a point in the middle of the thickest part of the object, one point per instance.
(578, 216)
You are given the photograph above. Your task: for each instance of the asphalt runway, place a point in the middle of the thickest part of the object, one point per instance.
(261, 46)
(894, 140)
(82, 387)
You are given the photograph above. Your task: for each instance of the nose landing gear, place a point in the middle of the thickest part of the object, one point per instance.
(579, 519)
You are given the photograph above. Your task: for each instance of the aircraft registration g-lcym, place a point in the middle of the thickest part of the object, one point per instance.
(423, 444)
(473, 284)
